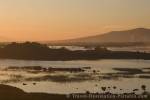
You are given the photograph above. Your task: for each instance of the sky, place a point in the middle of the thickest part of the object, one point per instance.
(46, 20)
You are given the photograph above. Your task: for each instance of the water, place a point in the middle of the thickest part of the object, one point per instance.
(81, 81)
(73, 48)
(131, 48)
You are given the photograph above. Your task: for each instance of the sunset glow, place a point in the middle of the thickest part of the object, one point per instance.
(39, 20)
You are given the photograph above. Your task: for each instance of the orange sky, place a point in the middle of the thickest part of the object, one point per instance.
(38, 20)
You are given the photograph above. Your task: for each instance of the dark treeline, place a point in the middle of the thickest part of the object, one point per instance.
(36, 51)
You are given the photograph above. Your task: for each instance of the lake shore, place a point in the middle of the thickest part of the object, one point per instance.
(13, 93)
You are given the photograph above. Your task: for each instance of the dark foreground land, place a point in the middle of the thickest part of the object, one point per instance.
(36, 51)
(13, 93)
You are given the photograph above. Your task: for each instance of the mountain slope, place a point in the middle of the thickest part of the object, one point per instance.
(135, 35)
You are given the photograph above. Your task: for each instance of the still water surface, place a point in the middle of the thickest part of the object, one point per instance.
(91, 82)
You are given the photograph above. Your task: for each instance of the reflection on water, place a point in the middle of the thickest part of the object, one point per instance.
(65, 76)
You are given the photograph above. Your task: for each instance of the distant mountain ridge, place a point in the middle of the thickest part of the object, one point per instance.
(137, 35)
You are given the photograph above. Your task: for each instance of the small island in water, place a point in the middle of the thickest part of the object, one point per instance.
(37, 51)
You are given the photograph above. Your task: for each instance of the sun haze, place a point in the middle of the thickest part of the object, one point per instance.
(43, 20)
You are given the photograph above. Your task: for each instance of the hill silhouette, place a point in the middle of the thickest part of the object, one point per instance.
(36, 51)
(134, 36)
